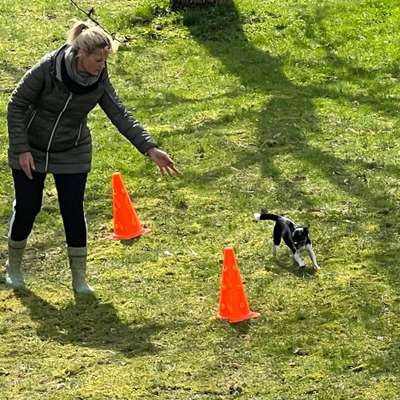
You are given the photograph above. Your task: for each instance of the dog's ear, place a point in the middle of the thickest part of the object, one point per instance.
(305, 227)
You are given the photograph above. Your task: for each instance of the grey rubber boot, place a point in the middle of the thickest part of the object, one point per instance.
(14, 277)
(77, 262)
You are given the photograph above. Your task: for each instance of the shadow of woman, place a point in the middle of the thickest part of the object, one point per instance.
(88, 323)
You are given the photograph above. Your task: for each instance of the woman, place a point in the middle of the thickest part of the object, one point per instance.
(48, 133)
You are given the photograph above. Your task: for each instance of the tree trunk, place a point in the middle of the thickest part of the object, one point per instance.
(176, 4)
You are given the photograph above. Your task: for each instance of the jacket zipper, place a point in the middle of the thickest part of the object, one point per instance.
(54, 130)
(31, 119)
(79, 134)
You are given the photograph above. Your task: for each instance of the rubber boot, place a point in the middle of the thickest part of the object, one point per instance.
(77, 262)
(14, 277)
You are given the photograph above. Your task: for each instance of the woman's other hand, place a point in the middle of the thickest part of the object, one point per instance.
(26, 163)
(163, 160)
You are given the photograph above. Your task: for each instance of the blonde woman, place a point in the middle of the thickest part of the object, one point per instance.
(48, 133)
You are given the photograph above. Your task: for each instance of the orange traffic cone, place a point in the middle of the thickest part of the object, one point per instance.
(233, 305)
(126, 221)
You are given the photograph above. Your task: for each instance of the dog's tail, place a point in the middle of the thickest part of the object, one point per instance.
(264, 215)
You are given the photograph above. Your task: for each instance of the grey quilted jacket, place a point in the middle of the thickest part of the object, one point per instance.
(47, 119)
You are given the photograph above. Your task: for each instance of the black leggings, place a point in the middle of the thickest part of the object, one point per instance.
(28, 202)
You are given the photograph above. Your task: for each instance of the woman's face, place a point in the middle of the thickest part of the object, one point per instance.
(92, 63)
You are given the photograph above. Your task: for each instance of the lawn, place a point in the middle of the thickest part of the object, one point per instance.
(290, 105)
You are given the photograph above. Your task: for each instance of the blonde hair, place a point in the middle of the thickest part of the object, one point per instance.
(89, 37)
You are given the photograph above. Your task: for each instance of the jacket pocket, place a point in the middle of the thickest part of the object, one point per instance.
(78, 137)
(31, 119)
(37, 131)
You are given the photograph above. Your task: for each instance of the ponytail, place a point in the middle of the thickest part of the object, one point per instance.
(89, 37)
(76, 30)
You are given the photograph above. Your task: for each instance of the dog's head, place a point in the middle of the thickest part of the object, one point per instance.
(300, 236)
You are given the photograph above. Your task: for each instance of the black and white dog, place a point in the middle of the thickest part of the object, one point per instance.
(295, 236)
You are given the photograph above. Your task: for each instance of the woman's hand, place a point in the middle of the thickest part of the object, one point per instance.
(26, 163)
(164, 162)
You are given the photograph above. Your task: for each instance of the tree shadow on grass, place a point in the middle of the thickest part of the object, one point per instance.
(289, 116)
(289, 113)
(89, 323)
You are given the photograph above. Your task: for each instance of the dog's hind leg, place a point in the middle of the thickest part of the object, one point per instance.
(277, 236)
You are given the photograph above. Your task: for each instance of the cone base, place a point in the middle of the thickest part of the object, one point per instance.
(142, 232)
(226, 318)
(246, 317)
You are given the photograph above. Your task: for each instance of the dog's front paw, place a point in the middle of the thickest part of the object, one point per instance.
(257, 216)
(299, 264)
(316, 267)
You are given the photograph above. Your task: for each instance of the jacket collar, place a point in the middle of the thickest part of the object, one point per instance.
(57, 56)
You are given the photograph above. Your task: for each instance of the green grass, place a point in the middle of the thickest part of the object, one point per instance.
(291, 105)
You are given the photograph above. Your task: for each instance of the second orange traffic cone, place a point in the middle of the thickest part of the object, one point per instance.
(233, 304)
(126, 221)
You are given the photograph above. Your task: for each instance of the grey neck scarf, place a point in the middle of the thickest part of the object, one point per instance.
(80, 77)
